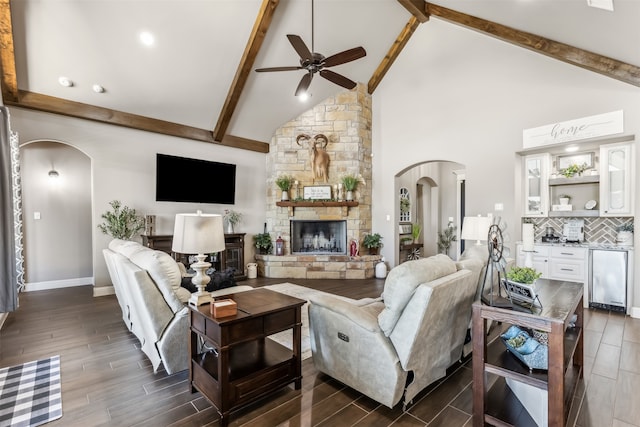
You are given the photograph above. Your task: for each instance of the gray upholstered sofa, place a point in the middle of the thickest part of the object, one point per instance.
(147, 286)
(417, 326)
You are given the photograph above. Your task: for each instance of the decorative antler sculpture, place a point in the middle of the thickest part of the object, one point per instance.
(318, 156)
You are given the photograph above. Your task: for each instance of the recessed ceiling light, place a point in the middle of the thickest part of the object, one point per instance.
(65, 82)
(97, 88)
(571, 148)
(146, 38)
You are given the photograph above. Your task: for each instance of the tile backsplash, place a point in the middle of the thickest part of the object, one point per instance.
(596, 230)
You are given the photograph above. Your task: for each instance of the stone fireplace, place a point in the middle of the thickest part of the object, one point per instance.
(311, 237)
(322, 251)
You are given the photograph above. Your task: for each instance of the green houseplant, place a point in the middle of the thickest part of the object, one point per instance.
(526, 275)
(373, 242)
(232, 217)
(284, 183)
(121, 223)
(263, 243)
(416, 229)
(574, 169)
(350, 183)
(445, 238)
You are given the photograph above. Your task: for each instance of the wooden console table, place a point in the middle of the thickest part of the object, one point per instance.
(560, 301)
(232, 361)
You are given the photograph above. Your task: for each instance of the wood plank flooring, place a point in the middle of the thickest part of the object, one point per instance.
(107, 380)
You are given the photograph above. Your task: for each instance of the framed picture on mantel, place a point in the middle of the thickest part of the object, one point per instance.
(316, 192)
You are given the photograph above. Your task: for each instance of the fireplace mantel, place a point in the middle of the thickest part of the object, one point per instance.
(316, 204)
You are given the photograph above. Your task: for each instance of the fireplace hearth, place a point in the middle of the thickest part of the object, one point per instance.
(318, 237)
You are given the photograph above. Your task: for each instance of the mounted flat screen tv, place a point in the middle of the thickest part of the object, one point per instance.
(180, 179)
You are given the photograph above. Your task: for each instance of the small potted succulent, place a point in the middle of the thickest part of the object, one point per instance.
(373, 242)
(284, 183)
(564, 199)
(625, 234)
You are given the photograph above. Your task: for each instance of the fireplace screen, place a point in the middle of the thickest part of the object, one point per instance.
(319, 237)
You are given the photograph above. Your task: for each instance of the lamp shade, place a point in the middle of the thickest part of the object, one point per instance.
(198, 233)
(475, 228)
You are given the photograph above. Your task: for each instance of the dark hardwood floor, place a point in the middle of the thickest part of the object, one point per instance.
(107, 380)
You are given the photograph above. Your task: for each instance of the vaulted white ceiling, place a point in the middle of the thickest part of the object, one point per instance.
(186, 76)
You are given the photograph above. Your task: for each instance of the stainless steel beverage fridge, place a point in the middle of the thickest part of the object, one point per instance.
(608, 278)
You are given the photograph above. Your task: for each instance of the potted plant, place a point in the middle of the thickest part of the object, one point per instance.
(263, 243)
(122, 223)
(564, 199)
(524, 275)
(574, 169)
(350, 183)
(445, 238)
(405, 205)
(232, 217)
(284, 183)
(373, 242)
(416, 229)
(625, 234)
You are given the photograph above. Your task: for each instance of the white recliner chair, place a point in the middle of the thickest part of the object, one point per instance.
(417, 326)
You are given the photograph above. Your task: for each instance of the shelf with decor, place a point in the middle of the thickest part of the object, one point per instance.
(345, 205)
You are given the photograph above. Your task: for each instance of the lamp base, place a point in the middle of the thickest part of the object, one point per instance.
(198, 298)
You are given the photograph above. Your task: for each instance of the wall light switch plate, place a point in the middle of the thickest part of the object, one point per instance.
(498, 207)
(36, 215)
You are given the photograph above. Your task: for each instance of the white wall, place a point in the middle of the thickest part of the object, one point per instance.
(438, 104)
(64, 207)
(123, 168)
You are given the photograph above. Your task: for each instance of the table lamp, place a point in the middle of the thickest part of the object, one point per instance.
(198, 234)
(475, 228)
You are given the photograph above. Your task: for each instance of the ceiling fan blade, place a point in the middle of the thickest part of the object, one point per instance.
(300, 47)
(345, 56)
(338, 79)
(304, 83)
(261, 70)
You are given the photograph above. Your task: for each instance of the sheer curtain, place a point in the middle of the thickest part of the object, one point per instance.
(11, 258)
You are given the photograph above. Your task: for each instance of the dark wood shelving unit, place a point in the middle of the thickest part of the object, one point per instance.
(315, 204)
(495, 404)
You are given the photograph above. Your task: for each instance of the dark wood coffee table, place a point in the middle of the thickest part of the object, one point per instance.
(232, 361)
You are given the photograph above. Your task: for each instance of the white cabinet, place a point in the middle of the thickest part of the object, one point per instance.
(616, 179)
(539, 257)
(536, 184)
(569, 263)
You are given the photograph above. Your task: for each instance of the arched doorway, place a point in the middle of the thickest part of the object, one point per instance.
(435, 190)
(56, 200)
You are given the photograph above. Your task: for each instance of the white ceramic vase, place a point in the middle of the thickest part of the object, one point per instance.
(285, 195)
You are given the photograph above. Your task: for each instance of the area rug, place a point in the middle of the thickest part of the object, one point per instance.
(286, 337)
(30, 394)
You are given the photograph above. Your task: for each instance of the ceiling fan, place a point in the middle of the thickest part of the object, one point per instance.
(314, 62)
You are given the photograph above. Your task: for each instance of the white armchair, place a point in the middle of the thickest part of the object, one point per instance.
(418, 325)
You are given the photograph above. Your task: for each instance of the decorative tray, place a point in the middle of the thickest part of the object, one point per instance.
(531, 352)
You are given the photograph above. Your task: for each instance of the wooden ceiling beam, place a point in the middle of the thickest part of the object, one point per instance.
(260, 27)
(394, 52)
(9, 82)
(50, 104)
(416, 8)
(606, 66)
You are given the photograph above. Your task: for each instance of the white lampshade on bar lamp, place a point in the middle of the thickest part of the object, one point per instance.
(475, 228)
(527, 244)
(198, 234)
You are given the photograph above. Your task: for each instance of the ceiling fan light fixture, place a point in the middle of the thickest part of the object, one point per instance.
(64, 81)
(304, 96)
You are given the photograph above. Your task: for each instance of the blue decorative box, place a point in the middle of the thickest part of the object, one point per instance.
(532, 353)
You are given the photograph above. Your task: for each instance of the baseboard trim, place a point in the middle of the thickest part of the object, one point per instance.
(102, 291)
(635, 312)
(55, 284)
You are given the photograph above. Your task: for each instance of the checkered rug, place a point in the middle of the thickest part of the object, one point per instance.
(30, 393)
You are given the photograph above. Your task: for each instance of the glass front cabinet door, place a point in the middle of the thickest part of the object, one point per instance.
(536, 185)
(616, 179)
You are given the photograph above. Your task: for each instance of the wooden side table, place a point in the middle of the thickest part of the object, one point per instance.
(491, 404)
(232, 361)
